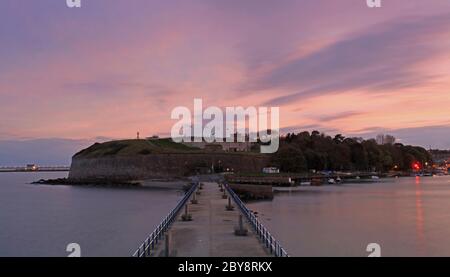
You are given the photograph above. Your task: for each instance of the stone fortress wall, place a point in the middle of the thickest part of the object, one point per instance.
(140, 167)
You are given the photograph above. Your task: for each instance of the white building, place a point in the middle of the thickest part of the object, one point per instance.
(271, 170)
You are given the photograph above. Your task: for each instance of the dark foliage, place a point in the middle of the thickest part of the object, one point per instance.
(317, 151)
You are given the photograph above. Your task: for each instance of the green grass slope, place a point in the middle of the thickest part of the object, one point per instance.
(134, 147)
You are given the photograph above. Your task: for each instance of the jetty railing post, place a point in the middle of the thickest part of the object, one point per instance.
(167, 249)
(153, 240)
(144, 250)
(270, 244)
(265, 238)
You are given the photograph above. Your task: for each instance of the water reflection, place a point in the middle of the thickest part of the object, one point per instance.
(42, 220)
(342, 220)
(419, 218)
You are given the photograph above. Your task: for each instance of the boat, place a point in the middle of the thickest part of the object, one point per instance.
(331, 181)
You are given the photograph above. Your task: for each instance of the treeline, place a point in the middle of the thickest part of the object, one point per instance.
(316, 151)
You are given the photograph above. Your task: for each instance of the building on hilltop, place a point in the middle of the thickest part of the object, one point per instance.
(222, 146)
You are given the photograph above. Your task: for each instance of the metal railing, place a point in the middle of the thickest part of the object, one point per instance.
(149, 244)
(264, 235)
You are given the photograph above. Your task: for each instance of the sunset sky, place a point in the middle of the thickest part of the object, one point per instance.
(114, 67)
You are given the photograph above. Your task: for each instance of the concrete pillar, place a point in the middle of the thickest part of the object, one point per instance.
(194, 199)
(186, 216)
(240, 230)
(230, 206)
(241, 223)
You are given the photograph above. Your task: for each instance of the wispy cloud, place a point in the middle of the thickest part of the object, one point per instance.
(428, 136)
(383, 57)
(343, 115)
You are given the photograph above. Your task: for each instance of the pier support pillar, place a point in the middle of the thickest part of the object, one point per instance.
(240, 230)
(194, 199)
(230, 206)
(186, 216)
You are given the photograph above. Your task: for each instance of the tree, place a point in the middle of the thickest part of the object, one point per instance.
(290, 159)
(338, 138)
(359, 156)
(305, 151)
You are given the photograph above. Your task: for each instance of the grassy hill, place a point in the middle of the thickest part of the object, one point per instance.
(134, 147)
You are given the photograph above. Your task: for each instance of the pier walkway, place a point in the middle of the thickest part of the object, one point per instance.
(211, 233)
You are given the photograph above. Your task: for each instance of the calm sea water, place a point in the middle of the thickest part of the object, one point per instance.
(406, 217)
(37, 220)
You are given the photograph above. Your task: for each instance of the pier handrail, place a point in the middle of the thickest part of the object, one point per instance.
(149, 244)
(266, 238)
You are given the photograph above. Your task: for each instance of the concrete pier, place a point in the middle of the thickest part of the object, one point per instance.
(211, 233)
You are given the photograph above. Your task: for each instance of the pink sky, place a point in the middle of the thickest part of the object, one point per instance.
(115, 67)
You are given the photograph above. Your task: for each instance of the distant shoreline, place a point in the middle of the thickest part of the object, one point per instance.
(38, 169)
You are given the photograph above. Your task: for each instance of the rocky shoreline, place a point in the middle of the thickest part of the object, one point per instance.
(93, 182)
